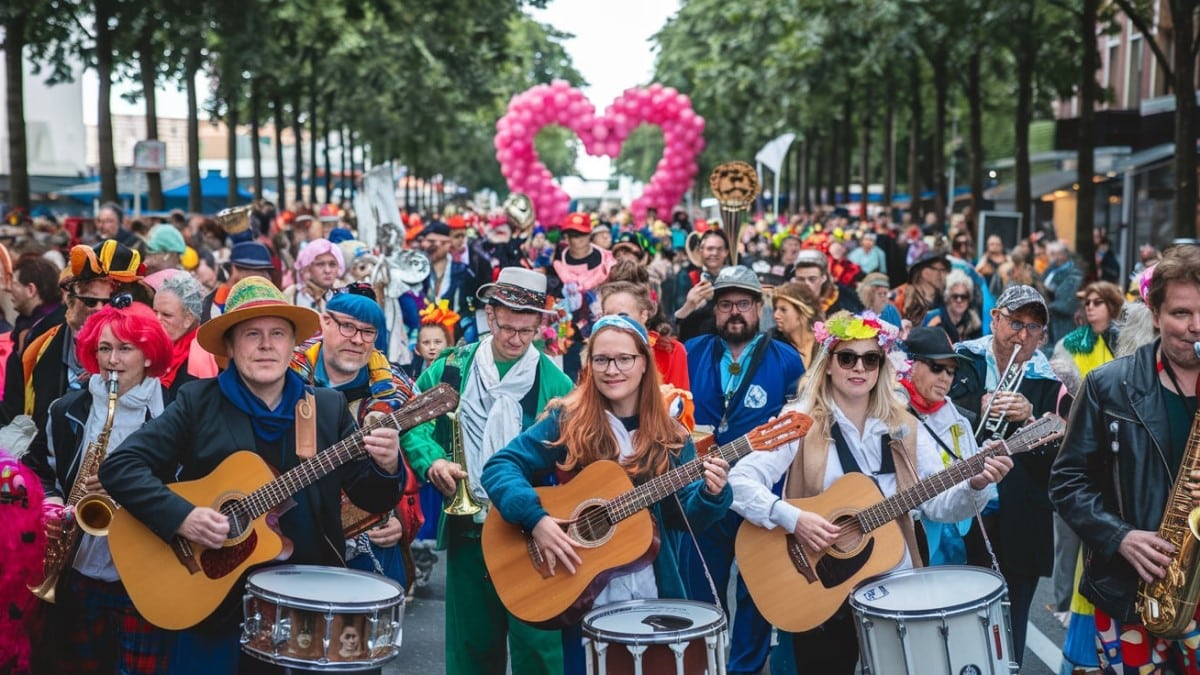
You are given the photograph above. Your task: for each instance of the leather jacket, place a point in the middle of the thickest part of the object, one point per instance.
(1112, 474)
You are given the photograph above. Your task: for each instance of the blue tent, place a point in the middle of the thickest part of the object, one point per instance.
(214, 191)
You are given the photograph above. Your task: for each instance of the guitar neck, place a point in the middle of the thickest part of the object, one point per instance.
(906, 500)
(660, 487)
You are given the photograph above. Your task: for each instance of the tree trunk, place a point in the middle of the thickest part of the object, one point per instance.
(18, 150)
(350, 154)
(149, 73)
(1026, 58)
(847, 142)
(312, 144)
(889, 150)
(297, 132)
(835, 142)
(937, 150)
(914, 142)
(864, 156)
(342, 163)
(255, 130)
(975, 142)
(195, 199)
(1089, 92)
(1186, 224)
(231, 117)
(278, 122)
(325, 141)
(805, 155)
(104, 132)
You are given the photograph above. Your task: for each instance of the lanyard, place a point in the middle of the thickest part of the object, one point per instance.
(1166, 366)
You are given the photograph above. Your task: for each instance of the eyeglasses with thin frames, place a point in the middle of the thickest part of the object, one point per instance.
(523, 333)
(624, 362)
(1018, 326)
(870, 360)
(349, 330)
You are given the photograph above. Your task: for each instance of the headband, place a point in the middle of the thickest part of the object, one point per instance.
(846, 327)
(624, 322)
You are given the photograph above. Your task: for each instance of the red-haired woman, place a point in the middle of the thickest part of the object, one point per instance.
(670, 357)
(94, 626)
(616, 413)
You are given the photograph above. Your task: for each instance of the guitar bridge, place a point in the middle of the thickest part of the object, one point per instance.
(536, 557)
(187, 557)
(799, 558)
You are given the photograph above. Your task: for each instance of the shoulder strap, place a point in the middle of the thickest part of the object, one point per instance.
(529, 402)
(306, 426)
(849, 464)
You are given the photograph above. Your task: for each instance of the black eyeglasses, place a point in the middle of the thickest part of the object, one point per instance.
(961, 297)
(726, 306)
(91, 303)
(349, 330)
(624, 362)
(870, 360)
(939, 368)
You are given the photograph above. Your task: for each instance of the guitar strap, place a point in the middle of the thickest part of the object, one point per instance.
(306, 427)
(887, 464)
(712, 585)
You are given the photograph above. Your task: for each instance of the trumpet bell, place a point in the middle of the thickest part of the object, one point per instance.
(519, 209)
(462, 504)
(234, 219)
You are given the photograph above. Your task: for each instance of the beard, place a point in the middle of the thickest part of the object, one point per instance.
(737, 330)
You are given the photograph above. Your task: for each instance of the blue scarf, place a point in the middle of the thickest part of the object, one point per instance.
(268, 424)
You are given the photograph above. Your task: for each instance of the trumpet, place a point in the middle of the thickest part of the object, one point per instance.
(462, 504)
(995, 426)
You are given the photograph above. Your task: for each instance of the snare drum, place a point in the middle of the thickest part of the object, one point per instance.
(950, 619)
(322, 618)
(655, 636)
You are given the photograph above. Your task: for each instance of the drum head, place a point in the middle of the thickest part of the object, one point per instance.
(313, 585)
(944, 589)
(653, 621)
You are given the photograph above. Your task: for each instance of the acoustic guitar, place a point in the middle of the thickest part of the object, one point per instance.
(178, 584)
(608, 516)
(798, 589)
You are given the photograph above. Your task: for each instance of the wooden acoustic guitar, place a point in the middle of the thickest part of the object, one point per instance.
(798, 589)
(177, 584)
(608, 516)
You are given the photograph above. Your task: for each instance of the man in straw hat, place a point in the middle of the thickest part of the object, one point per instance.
(254, 404)
(503, 384)
(96, 274)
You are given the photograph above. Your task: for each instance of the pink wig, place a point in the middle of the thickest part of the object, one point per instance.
(318, 247)
(135, 324)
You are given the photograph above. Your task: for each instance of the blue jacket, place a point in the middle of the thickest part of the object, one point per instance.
(762, 394)
(508, 474)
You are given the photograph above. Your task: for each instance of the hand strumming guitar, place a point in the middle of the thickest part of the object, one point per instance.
(815, 531)
(555, 544)
(205, 526)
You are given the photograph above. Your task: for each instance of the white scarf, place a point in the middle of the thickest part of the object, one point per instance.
(639, 584)
(94, 559)
(489, 412)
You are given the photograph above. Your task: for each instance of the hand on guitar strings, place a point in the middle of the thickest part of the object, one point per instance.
(815, 532)
(206, 527)
(388, 534)
(445, 475)
(1148, 553)
(555, 545)
(994, 470)
(383, 444)
(716, 472)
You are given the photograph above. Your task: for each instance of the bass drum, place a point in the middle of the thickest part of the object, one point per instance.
(950, 619)
(655, 637)
(322, 618)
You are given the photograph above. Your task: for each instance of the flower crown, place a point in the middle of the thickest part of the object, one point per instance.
(844, 327)
(440, 314)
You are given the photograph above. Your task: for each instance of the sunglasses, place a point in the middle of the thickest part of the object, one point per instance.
(959, 297)
(870, 360)
(939, 368)
(1094, 302)
(91, 303)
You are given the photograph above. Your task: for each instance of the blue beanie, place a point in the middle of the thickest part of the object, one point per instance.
(362, 309)
(339, 234)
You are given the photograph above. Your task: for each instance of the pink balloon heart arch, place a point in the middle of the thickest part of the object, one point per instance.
(560, 103)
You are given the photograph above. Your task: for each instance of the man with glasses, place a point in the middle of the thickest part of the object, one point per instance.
(935, 365)
(1020, 525)
(740, 379)
(812, 270)
(50, 366)
(504, 384)
(694, 286)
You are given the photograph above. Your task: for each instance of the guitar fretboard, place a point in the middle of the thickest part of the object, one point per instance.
(660, 487)
(884, 512)
(421, 409)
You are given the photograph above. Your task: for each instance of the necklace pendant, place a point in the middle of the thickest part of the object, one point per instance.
(735, 368)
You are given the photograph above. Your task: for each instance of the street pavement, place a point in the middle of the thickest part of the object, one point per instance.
(423, 649)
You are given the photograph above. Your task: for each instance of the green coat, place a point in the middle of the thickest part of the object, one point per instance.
(430, 441)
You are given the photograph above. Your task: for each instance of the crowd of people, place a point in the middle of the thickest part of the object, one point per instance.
(174, 344)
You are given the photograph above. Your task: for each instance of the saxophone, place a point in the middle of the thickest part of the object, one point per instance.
(1167, 606)
(91, 513)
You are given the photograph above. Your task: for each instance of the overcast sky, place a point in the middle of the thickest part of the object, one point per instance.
(611, 49)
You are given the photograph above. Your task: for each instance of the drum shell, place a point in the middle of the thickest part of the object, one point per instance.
(967, 636)
(614, 652)
(276, 620)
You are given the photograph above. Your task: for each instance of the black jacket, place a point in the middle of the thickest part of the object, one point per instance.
(14, 384)
(201, 428)
(1112, 475)
(67, 415)
(1024, 532)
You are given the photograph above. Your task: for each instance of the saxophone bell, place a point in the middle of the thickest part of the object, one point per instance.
(94, 513)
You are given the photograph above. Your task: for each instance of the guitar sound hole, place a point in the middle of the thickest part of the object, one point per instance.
(239, 520)
(592, 524)
(851, 535)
